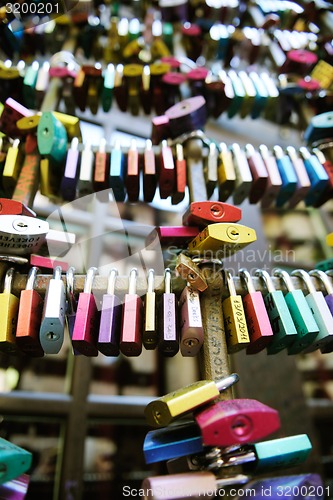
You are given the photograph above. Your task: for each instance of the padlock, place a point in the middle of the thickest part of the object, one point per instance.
(145, 94)
(132, 77)
(180, 176)
(222, 238)
(236, 421)
(131, 327)
(48, 185)
(85, 181)
(259, 174)
(9, 305)
(168, 343)
(14, 461)
(192, 484)
(302, 484)
(42, 83)
(328, 166)
(258, 324)
(12, 207)
(71, 305)
(202, 213)
(317, 175)
(191, 328)
(288, 176)
(11, 113)
(12, 167)
(21, 235)
(149, 172)
(29, 318)
(71, 173)
(28, 180)
(320, 311)
(226, 173)
(94, 83)
(239, 94)
(29, 85)
(101, 171)
(244, 180)
(108, 86)
(210, 169)
(237, 334)
(120, 90)
(250, 94)
(172, 83)
(86, 325)
(284, 330)
(52, 137)
(51, 333)
(133, 173)
(166, 180)
(261, 98)
(172, 235)
(326, 282)
(274, 181)
(80, 90)
(150, 334)
(109, 329)
(303, 181)
(71, 124)
(190, 272)
(117, 173)
(306, 326)
(161, 412)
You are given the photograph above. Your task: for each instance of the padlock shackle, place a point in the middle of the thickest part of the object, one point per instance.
(247, 278)
(88, 283)
(303, 275)
(230, 283)
(323, 277)
(151, 279)
(132, 281)
(285, 277)
(32, 278)
(266, 278)
(7, 287)
(112, 281)
(57, 273)
(167, 280)
(226, 382)
(70, 287)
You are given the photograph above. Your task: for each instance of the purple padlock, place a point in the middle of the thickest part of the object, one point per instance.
(109, 330)
(70, 177)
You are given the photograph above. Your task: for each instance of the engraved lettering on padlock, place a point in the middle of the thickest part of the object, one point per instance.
(169, 339)
(191, 328)
(21, 235)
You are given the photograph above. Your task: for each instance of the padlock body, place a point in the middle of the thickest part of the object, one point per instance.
(306, 326)
(164, 410)
(172, 442)
(28, 323)
(131, 332)
(324, 320)
(258, 324)
(109, 328)
(86, 325)
(281, 453)
(284, 331)
(191, 328)
(9, 304)
(205, 212)
(190, 272)
(150, 336)
(237, 334)
(289, 180)
(51, 333)
(236, 421)
(169, 339)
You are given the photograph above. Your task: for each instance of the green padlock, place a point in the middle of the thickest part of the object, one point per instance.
(51, 138)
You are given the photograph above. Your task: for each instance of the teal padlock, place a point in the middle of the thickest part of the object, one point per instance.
(284, 330)
(306, 326)
(51, 138)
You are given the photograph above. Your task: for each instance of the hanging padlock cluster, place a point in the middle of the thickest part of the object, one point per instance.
(220, 447)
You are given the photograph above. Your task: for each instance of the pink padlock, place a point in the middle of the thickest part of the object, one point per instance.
(236, 421)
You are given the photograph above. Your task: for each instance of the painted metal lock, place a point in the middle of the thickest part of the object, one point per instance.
(202, 213)
(168, 343)
(30, 317)
(86, 325)
(109, 329)
(131, 328)
(12, 167)
(9, 305)
(71, 306)
(149, 172)
(69, 181)
(51, 333)
(284, 330)
(132, 181)
(52, 137)
(163, 411)
(274, 181)
(303, 181)
(288, 176)
(244, 179)
(190, 272)
(226, 173)
(259, 174)
(14, 461)
(317, 175)
(21, 235)
(191, 328)
(172, 235)
(150, 333)
(85, 181)
(258, 323)
(166, 179)
(237, 334)
(180, 176)
(117, 173)
(13, 207)
(210, 169)
(236, 421)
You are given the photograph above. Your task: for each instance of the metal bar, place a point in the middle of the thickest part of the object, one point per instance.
(35, 404)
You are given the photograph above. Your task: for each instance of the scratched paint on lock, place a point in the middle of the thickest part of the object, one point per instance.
(114, 238)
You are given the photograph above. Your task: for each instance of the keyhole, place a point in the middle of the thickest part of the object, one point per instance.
(241, 426)
(51, 335)
(21, 224)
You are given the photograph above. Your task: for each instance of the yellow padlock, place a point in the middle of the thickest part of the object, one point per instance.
(12, 167)
(237, 334)
(9, 304)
